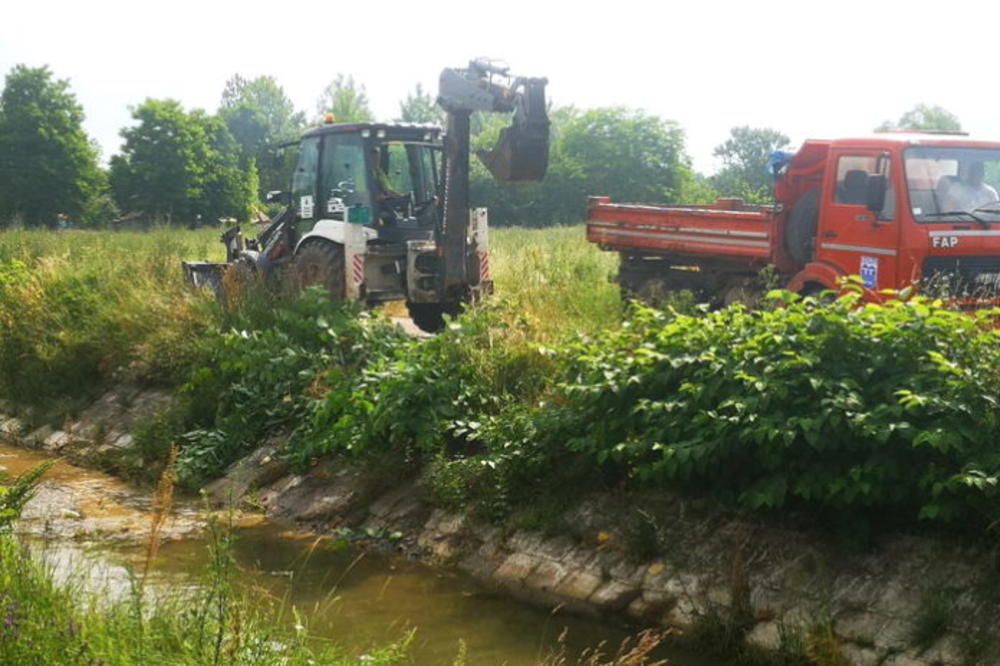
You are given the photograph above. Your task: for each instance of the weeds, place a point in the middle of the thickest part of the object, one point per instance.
(633, 651)
(43, 623)
(933, 618)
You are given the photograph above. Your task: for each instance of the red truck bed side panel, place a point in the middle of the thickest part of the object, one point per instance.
(745, 233)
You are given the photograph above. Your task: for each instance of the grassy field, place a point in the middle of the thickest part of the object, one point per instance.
(81, 309)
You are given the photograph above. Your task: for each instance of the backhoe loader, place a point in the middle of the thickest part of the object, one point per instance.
(379, 212)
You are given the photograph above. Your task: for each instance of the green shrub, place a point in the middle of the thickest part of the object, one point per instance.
(426, 398)
(256, 382)
(889, 410)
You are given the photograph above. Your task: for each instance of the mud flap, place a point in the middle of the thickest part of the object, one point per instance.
(479, 233)
(355, 247)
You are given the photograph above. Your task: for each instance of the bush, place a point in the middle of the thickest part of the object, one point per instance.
(262, 380)
(886, 410)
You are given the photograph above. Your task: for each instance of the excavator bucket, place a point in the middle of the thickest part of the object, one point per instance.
(522, 153)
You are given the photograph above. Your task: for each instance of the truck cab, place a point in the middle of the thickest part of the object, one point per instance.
(894, 209)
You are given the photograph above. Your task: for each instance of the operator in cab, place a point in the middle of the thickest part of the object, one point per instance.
(386, 195)
(969, 192)
(385, 190)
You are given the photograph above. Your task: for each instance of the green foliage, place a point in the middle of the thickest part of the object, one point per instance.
(78, 311)
(257, 378)
(421, 107)
(885, 411)
(933, 618)
(48, 166)
(45, 623)
(744, 156)
(181, 166)
(924, 117)
(419, 397)
(876, 414)
(619, 152)
(15, 493)
(260, 116)
(347, 100)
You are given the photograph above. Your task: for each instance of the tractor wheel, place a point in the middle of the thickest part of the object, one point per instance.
(321, 264)
(800, 234)
(429, 317)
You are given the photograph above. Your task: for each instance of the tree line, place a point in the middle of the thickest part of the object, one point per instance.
(181, 166)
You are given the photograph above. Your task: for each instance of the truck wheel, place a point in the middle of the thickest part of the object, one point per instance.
(800, 232)
(429, 317)
(321, 264)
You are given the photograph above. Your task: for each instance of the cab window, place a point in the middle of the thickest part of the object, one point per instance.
(398, 168)
(343, 181)
(304, 179)
(853, 174)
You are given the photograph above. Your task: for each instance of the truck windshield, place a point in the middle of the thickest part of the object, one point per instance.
(953, 184)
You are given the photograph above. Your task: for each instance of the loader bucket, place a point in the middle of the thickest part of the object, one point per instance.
(205, 274)
(522, 153)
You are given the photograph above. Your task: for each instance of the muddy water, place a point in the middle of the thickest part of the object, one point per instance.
(92, 527)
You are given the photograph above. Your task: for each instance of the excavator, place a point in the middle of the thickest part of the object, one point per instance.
(379, 212)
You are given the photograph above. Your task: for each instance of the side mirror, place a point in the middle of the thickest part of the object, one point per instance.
(875, 199)
(276, 196)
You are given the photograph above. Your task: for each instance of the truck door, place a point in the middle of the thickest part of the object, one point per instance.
(850, 237)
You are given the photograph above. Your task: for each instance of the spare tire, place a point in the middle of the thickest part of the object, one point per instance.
(800, 230)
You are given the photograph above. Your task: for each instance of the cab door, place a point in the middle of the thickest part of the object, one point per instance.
(851, 237)
(304, 199)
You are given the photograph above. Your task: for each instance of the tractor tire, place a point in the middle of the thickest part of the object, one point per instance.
(800, 233)
(321, 264)
(429, 317)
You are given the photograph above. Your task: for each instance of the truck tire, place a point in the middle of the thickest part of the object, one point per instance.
(429, 317)
(321, 264)
(800, 232)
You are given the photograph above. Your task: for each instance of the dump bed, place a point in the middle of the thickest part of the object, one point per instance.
(728, 229)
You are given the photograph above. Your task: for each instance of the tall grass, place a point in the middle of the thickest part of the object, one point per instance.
(82, 308)
(555, 280)
(42, 622)
(79, 310)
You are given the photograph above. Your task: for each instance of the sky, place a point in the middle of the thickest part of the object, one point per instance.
(810, 70)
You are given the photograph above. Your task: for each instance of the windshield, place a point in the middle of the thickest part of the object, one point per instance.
(953, 184)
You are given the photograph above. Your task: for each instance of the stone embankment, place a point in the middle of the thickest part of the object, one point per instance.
(907, 602)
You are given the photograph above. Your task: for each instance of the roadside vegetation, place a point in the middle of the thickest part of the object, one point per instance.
(869, 417)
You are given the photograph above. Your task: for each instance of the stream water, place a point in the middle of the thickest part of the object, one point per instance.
(93, 527)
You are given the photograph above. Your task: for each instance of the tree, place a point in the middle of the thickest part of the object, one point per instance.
(346, 100)
(744, 156)
(178, 166)
(420, 107)
(48, 166)
(260, 116)
(623, 153)
(924, 117)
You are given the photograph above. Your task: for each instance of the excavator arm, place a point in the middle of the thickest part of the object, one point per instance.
(521, 154)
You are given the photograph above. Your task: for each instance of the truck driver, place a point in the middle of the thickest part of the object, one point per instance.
(970, 192)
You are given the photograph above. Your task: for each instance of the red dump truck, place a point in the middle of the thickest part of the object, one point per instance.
(895, 209)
